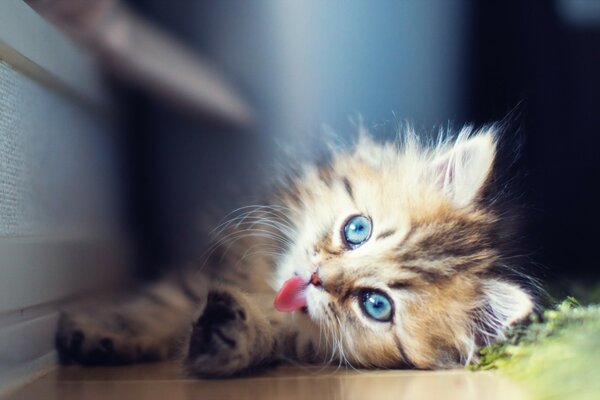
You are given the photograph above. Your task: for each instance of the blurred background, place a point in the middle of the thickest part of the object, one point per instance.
(136, 124)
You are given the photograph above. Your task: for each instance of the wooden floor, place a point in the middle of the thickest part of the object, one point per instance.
(165, 381)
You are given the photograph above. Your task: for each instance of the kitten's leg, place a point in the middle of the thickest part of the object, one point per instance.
(147, 327)
(235, 333)
(301, 340)
(231, 335)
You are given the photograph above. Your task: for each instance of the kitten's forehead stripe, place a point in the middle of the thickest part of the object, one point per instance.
(385, 234)
(401, 284)
(326, 173)
(428, 275)
(348, 187)
(446, 246)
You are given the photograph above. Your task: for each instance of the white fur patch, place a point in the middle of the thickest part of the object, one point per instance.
(508, 303)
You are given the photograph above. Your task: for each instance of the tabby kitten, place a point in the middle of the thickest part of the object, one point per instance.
(389, 256)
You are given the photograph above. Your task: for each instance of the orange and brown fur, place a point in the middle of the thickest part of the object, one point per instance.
(435, 251)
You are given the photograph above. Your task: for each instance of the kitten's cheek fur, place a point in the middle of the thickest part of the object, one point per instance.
(314, 303)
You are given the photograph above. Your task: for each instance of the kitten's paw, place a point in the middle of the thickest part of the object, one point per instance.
(229, 337)
(100, 340)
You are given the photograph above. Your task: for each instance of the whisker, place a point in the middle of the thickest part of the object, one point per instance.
(229, 240)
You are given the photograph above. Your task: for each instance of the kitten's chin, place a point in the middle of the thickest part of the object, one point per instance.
(316, 304)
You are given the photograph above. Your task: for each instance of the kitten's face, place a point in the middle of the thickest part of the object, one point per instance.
(397, 250)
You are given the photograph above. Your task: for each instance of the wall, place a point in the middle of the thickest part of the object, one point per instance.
(60, 230)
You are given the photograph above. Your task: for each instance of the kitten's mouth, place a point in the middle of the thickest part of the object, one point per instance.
(292, 295)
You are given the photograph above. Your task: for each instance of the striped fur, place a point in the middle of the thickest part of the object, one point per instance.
(436, 250)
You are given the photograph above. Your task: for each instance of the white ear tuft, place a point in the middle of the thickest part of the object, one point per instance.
(462, 171)
(367, 149)
(365, 138)
(505, 304)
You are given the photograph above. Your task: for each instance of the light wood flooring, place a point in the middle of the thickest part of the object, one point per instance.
(165, 381)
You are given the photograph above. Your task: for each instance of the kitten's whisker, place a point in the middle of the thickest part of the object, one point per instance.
(255, 233)
(274, 224)
(231, 238)
(258, 253)
(227, 221)
(226, 238)
(254, 209)
(285, 232)
(335, 348)
(341, 344)
(270, 248)
(280, 225)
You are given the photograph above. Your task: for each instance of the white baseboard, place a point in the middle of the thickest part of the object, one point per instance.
(13, 378)
(37, 278)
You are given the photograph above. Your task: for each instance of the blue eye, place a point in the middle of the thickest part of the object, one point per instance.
(377, 306)
(357, 231)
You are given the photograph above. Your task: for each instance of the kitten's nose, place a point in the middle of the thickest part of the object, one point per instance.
(315, 279)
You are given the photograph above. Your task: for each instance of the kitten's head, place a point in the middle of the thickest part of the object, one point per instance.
(402, 252)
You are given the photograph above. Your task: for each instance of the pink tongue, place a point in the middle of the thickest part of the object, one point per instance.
(291, 296)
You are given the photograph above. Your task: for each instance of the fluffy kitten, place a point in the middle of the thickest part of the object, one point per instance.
(389, 256)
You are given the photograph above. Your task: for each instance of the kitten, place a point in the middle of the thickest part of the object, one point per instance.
(389, 256)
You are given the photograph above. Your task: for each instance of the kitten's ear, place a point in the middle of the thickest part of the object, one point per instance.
(462, 171)
(504, 304)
